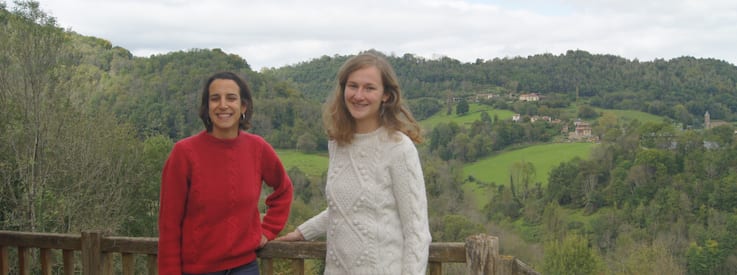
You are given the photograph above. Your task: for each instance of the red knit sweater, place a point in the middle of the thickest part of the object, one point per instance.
(208, 216)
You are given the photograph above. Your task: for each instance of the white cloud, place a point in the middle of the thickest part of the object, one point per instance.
(277, 33)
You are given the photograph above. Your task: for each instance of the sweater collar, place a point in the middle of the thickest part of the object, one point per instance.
(363, 137)
(226, 142)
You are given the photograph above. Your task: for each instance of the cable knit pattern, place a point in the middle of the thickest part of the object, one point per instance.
(376, 219)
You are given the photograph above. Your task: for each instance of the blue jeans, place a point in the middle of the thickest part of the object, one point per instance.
(246, 269)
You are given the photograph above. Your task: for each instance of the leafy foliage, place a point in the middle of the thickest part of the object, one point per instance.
(682, 88)
(571, 256)
(87, 126)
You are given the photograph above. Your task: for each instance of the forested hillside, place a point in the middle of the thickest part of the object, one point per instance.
(682, 88)
(86, 127)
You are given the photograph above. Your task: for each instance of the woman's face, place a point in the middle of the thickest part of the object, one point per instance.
(364, 93)
(225, 108)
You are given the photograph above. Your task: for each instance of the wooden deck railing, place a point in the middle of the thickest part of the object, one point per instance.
(480, 253)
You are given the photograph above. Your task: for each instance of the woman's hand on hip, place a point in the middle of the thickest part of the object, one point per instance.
(264, 240)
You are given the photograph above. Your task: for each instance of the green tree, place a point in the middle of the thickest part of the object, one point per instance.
(301, 184)
(443, 180)
(68, 168)
(704, 259)
(31, 53)
(460, 148)
(562, 187)
(572, 255)
(485, 118)
(442, 134)
(503, 204)
(723, 134)
(586, 112)
(455, 228)
(607, 127)
(657, 135)
(424, 107)
(462, 107)
(553, 222)
(650, 259)
(142, 203)
(522, 174)
(307, 143)
(681, 114)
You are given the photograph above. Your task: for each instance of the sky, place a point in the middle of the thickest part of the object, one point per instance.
(274, 33)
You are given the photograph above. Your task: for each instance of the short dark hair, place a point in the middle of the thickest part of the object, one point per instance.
(245, 93)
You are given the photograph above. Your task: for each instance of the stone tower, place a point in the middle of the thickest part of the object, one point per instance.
(707, 121)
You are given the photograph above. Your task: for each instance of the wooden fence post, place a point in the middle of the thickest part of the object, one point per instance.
(68, 256)
(91, 253)
(152, 263)
(24, 260)
(4, 264)
(47, 262)
(482, 252)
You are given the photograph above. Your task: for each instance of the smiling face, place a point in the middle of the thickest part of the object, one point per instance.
(363, 94)
(225, 108)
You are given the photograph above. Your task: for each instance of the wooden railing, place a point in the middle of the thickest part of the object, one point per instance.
(480, 253)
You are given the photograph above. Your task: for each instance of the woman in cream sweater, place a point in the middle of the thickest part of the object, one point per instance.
(376, 219)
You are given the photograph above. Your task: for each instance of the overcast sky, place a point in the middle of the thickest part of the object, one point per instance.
(273, 33)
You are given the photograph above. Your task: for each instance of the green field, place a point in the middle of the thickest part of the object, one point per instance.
(311, 164)
(474, 113)
(495, 168)
(491, 169)
(626, 115)
(544, 157)
(632, 115)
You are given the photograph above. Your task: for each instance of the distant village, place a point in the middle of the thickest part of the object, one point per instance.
(580, 130)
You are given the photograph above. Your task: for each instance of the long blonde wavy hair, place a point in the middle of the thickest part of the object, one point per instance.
(394, 115)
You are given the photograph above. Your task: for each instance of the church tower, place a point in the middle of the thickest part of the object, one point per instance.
(707, 121)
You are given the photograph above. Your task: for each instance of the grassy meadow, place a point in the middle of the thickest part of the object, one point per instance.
(544, 157)
(474, 113)
(494, 168)
(311, 164)
(626, 115)
(629, 115)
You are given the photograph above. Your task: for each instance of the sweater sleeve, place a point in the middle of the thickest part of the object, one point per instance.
(315, 227)
(278, 203)
(409, 190)
(172, 202)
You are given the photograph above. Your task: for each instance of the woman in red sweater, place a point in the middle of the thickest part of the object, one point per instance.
(209, 221)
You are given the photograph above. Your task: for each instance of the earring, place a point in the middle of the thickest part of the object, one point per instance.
(243, 116)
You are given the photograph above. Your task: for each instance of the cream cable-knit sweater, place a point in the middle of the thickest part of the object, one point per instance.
(376, 219)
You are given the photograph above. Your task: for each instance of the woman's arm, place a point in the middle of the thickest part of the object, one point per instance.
(280, 200)
(172, 203)
(409, 190)
(312, 228)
